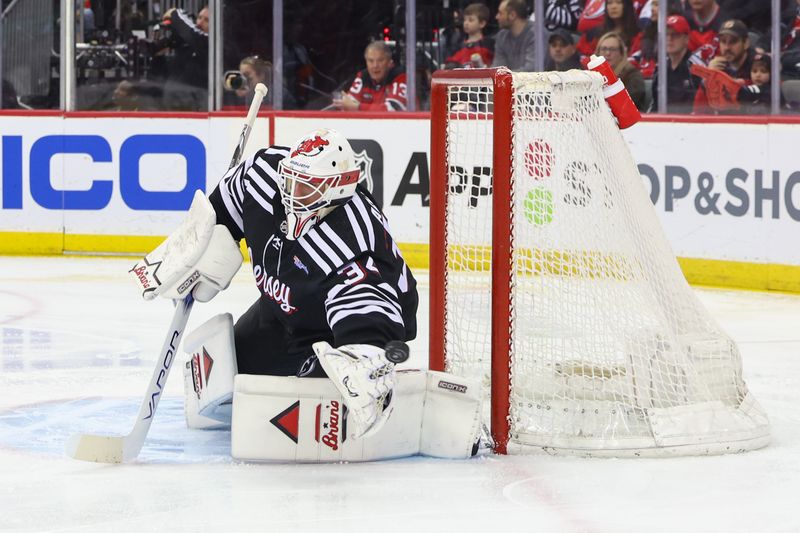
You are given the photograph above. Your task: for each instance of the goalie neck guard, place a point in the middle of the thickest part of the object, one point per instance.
(319, 174)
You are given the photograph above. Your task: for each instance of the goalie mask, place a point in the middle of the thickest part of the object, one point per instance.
(319, 174)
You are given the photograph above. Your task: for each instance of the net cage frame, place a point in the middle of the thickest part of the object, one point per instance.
(501, 83)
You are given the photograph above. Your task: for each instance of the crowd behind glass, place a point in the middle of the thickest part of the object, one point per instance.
(351, 55)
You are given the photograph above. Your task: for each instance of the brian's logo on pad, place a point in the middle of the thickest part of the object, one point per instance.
(146, 273)
(141, 274)
(287, 421)
(331, 424)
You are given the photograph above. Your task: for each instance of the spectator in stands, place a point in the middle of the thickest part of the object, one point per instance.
(790, 51)
(562, 14)
(682, 85)
(734, 59)
(379, 87)
(514, 44)
(255, 70)
(612, 47)
(729, 95)
(619, 18)
(298, 71)
(477, 50)
(756, 97)
(186, 86)
(754, 13)
(133, 16)
(563, 55)
(451, 36)
(649, 12)
(593, 14)
(125, 97)
(705, 18)
(88, 19)
(646, 57)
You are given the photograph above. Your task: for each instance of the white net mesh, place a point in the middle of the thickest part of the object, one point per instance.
(611, 351)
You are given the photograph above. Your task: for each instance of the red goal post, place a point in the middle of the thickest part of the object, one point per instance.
(501, 82)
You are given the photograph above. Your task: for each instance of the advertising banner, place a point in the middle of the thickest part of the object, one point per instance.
(724, 192)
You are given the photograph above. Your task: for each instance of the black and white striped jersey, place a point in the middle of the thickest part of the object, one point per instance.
(563, 14)
(344, 281)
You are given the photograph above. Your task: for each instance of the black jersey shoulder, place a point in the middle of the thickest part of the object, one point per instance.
(352, 230)
(266, 162)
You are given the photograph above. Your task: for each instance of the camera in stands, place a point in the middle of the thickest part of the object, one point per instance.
(234, 80)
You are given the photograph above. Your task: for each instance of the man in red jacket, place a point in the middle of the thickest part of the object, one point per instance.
(379, 87)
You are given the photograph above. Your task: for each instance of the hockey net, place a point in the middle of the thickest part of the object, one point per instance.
(553, 282)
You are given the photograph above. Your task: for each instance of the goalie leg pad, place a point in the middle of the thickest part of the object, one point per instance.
(451, 424)
(289, 419)
(209, 373)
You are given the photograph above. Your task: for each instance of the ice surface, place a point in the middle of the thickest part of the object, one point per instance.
(77, 348)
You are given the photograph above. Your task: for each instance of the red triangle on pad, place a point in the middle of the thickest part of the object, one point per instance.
(288, 421)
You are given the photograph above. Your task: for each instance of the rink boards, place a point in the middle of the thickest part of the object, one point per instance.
(727, 193)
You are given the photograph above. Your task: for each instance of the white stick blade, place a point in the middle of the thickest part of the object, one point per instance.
(97, 448)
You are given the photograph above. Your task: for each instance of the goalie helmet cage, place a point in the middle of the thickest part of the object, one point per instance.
(546, 252)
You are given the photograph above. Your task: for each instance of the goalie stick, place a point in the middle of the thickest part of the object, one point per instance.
(258, 96)
(115, 449)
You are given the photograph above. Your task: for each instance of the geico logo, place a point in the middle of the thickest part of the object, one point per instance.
(98, 195)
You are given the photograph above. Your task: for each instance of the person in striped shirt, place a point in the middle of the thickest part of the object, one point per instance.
(323, 258)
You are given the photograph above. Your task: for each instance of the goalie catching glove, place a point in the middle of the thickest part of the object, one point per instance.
(200, 257)
(365, 379)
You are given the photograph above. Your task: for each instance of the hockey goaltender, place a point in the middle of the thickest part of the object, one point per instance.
(307, 373)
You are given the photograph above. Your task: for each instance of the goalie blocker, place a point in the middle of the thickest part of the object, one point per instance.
(290, 419)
